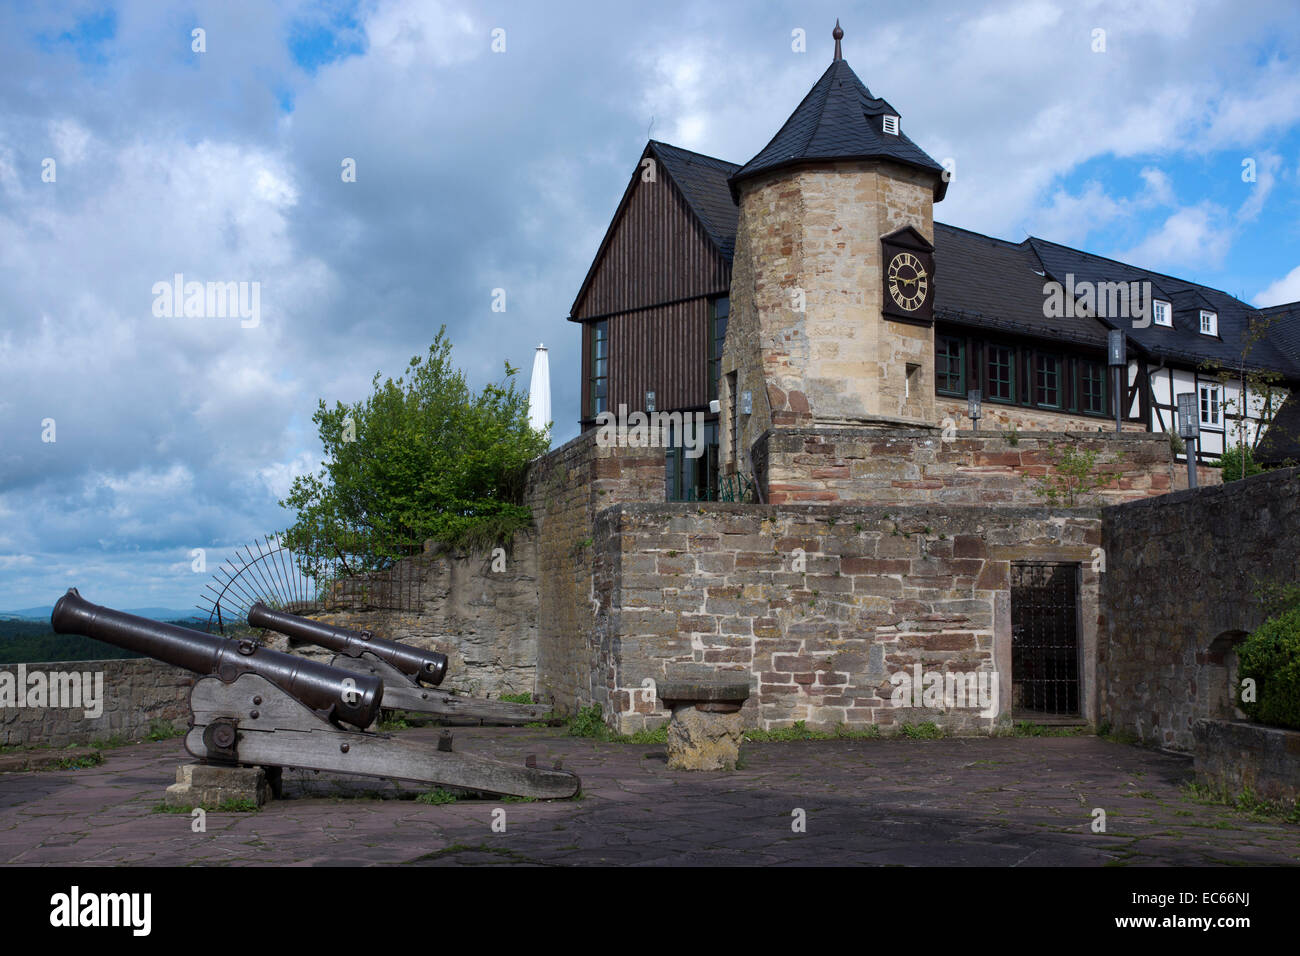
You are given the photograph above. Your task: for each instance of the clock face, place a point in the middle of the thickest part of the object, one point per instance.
(908, 282)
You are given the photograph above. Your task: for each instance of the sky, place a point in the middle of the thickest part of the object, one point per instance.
(491, 143)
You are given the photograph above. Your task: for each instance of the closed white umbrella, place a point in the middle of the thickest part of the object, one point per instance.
(539, 391)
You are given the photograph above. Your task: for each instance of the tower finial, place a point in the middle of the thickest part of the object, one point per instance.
(838, 34)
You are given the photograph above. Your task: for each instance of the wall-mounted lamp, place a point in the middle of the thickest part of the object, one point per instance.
(746, 403)
(974, 408)
(649, 401)
(715, 406)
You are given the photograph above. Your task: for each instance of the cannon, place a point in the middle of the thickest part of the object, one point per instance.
(401, 667)
(257, 706)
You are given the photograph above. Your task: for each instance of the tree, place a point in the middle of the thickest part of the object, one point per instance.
(423, 457)
(1071, 476)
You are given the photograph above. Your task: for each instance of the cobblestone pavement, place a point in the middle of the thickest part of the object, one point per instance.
(1002, 802)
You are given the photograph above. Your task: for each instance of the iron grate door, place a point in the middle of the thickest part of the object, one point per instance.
(1044, 639)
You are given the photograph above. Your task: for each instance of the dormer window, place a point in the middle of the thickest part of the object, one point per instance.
(1209, 322)
(1162, 314)
(891, 125)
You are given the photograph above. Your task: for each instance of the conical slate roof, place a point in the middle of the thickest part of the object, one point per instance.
(839, 119)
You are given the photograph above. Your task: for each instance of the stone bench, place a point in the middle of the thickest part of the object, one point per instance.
(705, 730)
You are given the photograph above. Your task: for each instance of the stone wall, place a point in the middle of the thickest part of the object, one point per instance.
(818, 605)
(484, 620)
(889, 466)
(1006, 417)
(566, 490)
(1178, 593)
(135, 693)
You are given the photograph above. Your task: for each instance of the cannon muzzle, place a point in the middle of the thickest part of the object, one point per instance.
(329, 691)
(427, 666)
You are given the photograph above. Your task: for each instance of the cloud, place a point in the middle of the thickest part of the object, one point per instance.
(1193, 236)
(1284, 290)
(478, 170)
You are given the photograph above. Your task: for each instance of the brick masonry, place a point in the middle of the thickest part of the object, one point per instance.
(135, 693)
(685, 589)
(901, 466)
(1178, 592)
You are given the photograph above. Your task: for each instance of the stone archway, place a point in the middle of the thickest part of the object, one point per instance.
(1219, 670)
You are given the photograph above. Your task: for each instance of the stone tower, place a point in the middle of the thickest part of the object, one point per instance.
(810, 337)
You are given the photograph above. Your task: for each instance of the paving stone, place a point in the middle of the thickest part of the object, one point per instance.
(957, 802)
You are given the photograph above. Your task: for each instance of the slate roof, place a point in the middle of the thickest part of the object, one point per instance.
(839, 119)
(703, 181)
(998, 285)
(1281, 443)
(988, 283)
(1184, 342)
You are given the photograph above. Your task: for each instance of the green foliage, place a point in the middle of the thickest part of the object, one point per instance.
(163, 730)
(589, 722)
(1013, 437)
(1176, 443)
(1237, 462)
(520, 698)
(436, 797)
(1027, 728)
(1247, 802)
(423, 457)
(1072, 476)
(926, 731)
(1271, 656)
(79, 763)
(226, 806)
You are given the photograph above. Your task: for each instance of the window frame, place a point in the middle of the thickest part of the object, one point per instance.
(1215, 392)
(960, 391)
(599, 367)
(1038, 358)
(1168, 323)
(717, 343)
(1213, 322)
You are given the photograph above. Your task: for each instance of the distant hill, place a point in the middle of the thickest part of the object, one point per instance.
(30, 639)
(153, 613)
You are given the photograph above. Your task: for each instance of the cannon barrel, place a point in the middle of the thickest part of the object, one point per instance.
(330, 691)
(422, 665)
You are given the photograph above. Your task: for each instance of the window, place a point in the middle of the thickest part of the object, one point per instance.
(1163, 314)
(891, 125)
(1092, 387)
(721, 308)
(949, 365)
(1210, 402)
(600, 367)
(1047, 381)
(1209, 322)
(692, 479)
(1001, 374)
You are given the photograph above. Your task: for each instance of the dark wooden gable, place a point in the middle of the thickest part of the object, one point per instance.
(656, 251)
